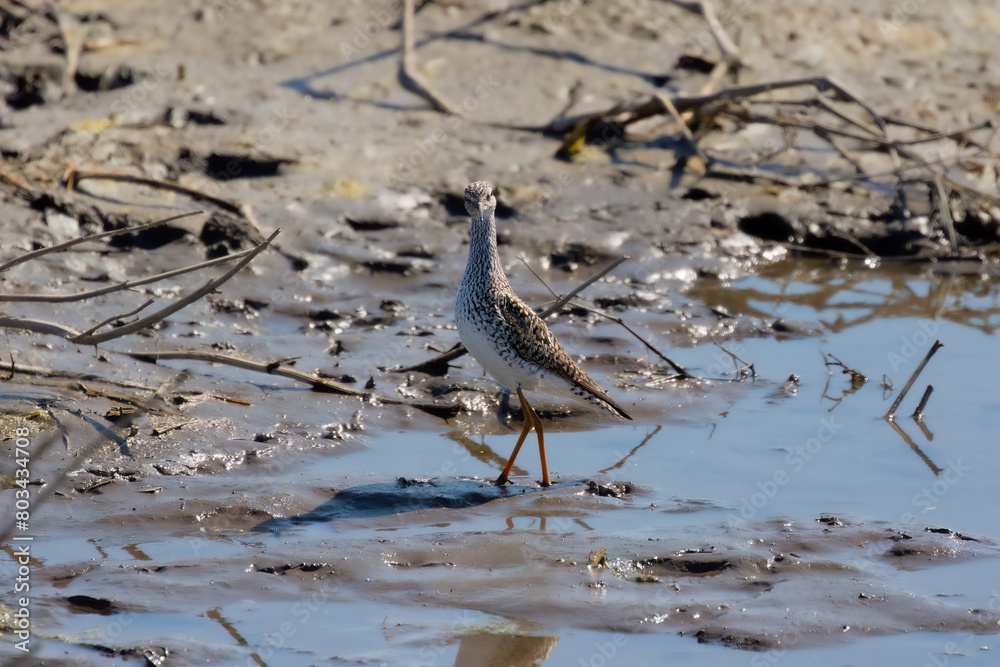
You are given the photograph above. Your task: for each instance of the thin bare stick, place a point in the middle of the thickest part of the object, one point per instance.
(42, 372)
(682, 122)
(736, 361)
(73, 177)
(918, 414)
(680, 370)
(730, 52)
(167, 429)
(443, 410)
(850, 120)
(118, 317)
(69, 30)
(815, 126)
(93, 237)
(538, 277)
(85, 338)
(563, 300)
(833, 231)
(944, 207)
(272, 368)
(618, 321)
(685, 102)
(842, 150)
(409, 77)
(891, 415)
(38, 326)
(138, 325)
(117, 287)
(154, 405)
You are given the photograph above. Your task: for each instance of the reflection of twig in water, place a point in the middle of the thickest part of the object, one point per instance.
(926, 459)
(887, 386)
(217, 616)
(632, 451)
(857, 379)
(926, 431)
(891, 415)
(739, 370)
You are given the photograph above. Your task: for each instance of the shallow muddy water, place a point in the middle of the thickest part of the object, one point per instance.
(791, 520)
(742, 518)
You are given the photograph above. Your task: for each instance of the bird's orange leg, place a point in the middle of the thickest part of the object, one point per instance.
(541, 436)
(528, 423)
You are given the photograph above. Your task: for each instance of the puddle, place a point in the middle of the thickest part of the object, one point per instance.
(747, 499)
(250, 521)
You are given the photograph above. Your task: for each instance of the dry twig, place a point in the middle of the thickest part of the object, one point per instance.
(117, 287)
(918, 414)
(91, 338)
(409, 76)
(270, 368)
(73, 177)
(891, 415)
(34, 254)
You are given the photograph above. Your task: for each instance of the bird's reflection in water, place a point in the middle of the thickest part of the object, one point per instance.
(504, 650)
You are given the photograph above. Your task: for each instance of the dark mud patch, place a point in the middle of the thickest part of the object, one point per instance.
(405, 495)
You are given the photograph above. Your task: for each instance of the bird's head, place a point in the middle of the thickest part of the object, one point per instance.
(479, 200)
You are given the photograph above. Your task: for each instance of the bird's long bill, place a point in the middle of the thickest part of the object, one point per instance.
(482, 215)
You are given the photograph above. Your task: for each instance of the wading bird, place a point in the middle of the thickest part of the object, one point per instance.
(507, 337)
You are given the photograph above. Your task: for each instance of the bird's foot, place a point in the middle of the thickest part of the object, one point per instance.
(501, 480)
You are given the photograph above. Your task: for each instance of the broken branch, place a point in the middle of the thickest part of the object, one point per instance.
(117, 287)
(34, 254)
(891, 415)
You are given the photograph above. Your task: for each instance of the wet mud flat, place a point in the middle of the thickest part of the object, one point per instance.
(326, 498)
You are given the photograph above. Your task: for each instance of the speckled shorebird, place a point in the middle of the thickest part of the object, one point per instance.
(507, 337)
